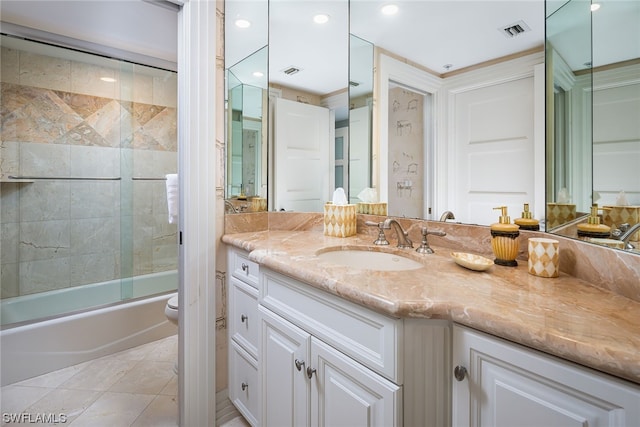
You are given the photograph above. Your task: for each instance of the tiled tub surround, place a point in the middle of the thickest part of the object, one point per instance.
(595, 323)
(59, 120)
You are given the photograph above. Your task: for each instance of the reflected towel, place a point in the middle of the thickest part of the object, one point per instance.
(172, 197)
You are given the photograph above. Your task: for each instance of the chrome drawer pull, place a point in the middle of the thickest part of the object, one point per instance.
(243, 318)
(245, 268)
(244, 386)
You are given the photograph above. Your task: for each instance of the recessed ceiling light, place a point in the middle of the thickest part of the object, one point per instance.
(321, 18)
(108, 79)
(389, 9)
(258, 74)
(242, 23)
(595, 6)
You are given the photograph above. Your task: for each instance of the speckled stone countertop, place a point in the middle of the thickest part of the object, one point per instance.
(566, 317)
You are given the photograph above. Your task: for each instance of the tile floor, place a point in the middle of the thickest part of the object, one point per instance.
(133, 388)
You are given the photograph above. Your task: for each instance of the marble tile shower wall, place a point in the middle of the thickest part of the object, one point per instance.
(59, 119)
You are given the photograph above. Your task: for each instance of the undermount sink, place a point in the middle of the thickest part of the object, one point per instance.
(365, 259)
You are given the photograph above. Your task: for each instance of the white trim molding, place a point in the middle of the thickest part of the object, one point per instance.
(197, 39)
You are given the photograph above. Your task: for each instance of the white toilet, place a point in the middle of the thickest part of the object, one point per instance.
(171, 311)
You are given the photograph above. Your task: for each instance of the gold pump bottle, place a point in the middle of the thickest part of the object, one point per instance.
(593, 228)
(504, 239)
(527, 222)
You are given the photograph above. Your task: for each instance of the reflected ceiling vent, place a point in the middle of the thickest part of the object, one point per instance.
(515, 29)
(289, 71)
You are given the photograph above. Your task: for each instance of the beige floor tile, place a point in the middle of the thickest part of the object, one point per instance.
(70, 403)
(113, 410)
(147, 377)
(55, 378)
(162, 412)
(16, 398)
(171, 389)
(99, 375)
(166, 350)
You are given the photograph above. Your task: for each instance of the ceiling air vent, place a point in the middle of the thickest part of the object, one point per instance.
(291, 71)
(515, 29)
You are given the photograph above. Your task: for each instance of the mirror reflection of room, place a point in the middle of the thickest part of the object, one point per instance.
(486, 92)
(594, 138)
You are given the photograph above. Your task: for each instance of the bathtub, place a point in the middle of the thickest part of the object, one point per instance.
(36, 348)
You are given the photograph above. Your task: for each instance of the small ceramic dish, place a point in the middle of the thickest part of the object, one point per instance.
(471, 261)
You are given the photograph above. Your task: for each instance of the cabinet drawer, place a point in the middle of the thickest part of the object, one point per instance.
(369, 337)
(244, 322)
(242, 268)
(244, 387)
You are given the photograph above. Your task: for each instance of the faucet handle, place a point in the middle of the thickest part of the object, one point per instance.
(382, 239)
(424, 248)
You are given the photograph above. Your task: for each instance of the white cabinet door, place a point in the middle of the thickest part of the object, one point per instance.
(510, 386)
(284, 359)
(345, 393)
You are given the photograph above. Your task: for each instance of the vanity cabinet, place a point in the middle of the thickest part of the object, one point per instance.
(305, 380)
(244, 332)
(498, 383)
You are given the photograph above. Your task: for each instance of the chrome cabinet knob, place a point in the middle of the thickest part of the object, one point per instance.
(244, 386)
(245, 268)
(460, 372)
(310, 372)
(299, 364)
(243, 318)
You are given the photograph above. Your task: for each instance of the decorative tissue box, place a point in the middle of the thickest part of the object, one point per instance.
(616, 215)
(339, 220)
(258, 204)
(372, 208)
(560, 213)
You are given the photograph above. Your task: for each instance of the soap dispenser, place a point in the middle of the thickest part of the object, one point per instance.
(593, 228)
(504, 240)
(527, 222)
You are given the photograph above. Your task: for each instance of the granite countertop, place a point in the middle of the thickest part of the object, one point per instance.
(565, 316)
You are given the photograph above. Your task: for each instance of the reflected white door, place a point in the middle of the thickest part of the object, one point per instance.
(303, 165)
(494, 146)
(616, 142)
(359, 151)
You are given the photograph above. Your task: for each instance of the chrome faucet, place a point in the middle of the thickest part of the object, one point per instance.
(624, 233)
(447, 215)
(387, 224)
(229, 208)
(403, 238)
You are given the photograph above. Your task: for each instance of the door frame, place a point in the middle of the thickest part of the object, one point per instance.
(393, 70)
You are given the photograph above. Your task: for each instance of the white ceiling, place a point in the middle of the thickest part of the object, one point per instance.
(429, 32)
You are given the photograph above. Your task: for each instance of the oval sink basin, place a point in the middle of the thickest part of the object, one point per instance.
(369, 260)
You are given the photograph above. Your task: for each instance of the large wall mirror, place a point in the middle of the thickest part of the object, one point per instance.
(246, 67)
(340, 65)
(593, 105)
(314, 64)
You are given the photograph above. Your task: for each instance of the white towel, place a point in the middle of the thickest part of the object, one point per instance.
(172, 197)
